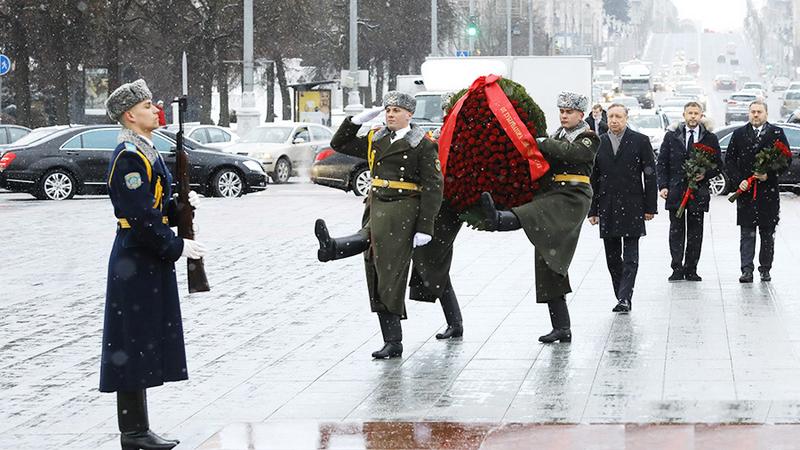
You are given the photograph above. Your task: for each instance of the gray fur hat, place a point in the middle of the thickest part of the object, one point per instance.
(126, 97)
(573, 100)
(400, 99)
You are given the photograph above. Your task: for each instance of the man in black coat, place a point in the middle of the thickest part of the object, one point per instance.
(625, 195)
(598, 120)
(686, 233)
(763, 211)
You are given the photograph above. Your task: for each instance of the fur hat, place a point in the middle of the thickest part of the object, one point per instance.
(126, 97)
(573, 100)
(401, 100)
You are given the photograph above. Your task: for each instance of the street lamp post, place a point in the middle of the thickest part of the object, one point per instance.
(530, 27)
(508, 27)
(248, 115)
(353, 96)
(471, 36)
(434, 28)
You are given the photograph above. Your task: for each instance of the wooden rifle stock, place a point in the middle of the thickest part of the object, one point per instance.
(196, 269)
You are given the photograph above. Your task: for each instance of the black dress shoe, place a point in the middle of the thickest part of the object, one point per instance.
(452, 331)
(623, 306)
(765, 276)
(617, 307)
(145, 440)
(693, 276)
(389, 350)
(677, 275)
(747, 277)
(558, 334)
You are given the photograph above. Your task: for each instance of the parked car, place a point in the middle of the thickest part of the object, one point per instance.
(74, 160)
(285, 149)
(11, 133)
(791, 102)
(755, 85)
(780, 84)
(724, 82)
(737, 106)
(788, 180)
(340, 171)
(211, 136)
(793, 86)
(33, 136)
(651, 123)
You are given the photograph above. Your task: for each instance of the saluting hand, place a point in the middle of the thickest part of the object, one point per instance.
(366, 116)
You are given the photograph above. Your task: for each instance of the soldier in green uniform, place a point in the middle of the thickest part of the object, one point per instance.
(400, 209)
(553, 219)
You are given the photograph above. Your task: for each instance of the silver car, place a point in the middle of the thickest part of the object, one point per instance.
(285, 149)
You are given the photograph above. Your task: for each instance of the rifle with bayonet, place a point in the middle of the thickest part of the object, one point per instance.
(196, 269)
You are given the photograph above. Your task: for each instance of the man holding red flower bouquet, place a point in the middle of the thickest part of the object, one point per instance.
(687, 200)
(758, 199)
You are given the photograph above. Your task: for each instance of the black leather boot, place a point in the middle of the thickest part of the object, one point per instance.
(559, 319)
(392, 336)
(747, 276)
(452, 313)
(337, 248)
(134, 424)
(495, 220)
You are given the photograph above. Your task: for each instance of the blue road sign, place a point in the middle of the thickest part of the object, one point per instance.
(462, 52)
(5, 65)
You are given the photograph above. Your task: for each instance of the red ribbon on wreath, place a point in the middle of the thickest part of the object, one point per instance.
(752, 182)
(509, 120)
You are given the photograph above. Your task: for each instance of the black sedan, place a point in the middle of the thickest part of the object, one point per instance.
(341, 171)
(74, 160)
(789, 180)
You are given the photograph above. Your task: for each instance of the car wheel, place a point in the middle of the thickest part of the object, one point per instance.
(718, 185)
(283, 170)
(57, 184)
(227, 183)
(361, 182)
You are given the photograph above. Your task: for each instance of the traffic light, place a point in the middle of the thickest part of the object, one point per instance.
(472, 27)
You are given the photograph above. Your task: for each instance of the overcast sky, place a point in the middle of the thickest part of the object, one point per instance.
(715, 14)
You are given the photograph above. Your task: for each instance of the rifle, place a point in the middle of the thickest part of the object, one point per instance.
(196, 269)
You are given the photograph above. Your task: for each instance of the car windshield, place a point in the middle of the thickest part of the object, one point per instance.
(648, 121)
(429, 109)
(673, 103)
(268, 135)
(752, 86)
(35, 135)
(792, 95)
(743, 98)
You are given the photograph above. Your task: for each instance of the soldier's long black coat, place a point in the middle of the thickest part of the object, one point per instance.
(764, 212)
(624, 185)
(143, 342)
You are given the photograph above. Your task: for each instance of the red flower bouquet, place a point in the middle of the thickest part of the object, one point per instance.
(701, 161)
(768, 159)
(487, 144)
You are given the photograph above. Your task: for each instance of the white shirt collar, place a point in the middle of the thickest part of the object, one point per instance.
(399, 134)
(758, 129)
(149, 141)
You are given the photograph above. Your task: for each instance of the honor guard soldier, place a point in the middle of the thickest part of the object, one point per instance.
(400, 210)
(142, 331)
(553, 219)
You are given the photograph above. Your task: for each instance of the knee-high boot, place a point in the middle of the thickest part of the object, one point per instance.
(495, 220)
(559, 318)
(337, 248)
(392, 336)
(452, 313)
(135, 425)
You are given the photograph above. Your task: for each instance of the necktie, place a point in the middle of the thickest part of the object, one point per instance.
(758, 132)
(392, 135)
(690, 143)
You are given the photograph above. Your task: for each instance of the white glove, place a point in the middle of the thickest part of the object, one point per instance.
(366, 116)
(421, 239)
(194, 199)
(193, 249)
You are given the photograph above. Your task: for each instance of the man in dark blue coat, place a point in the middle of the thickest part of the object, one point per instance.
(763, 211)
(142, 331)
(625, 195)
(686, 233)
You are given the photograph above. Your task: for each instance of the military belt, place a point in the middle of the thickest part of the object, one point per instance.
(571, 178)
(377, 182)
(123, 223)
